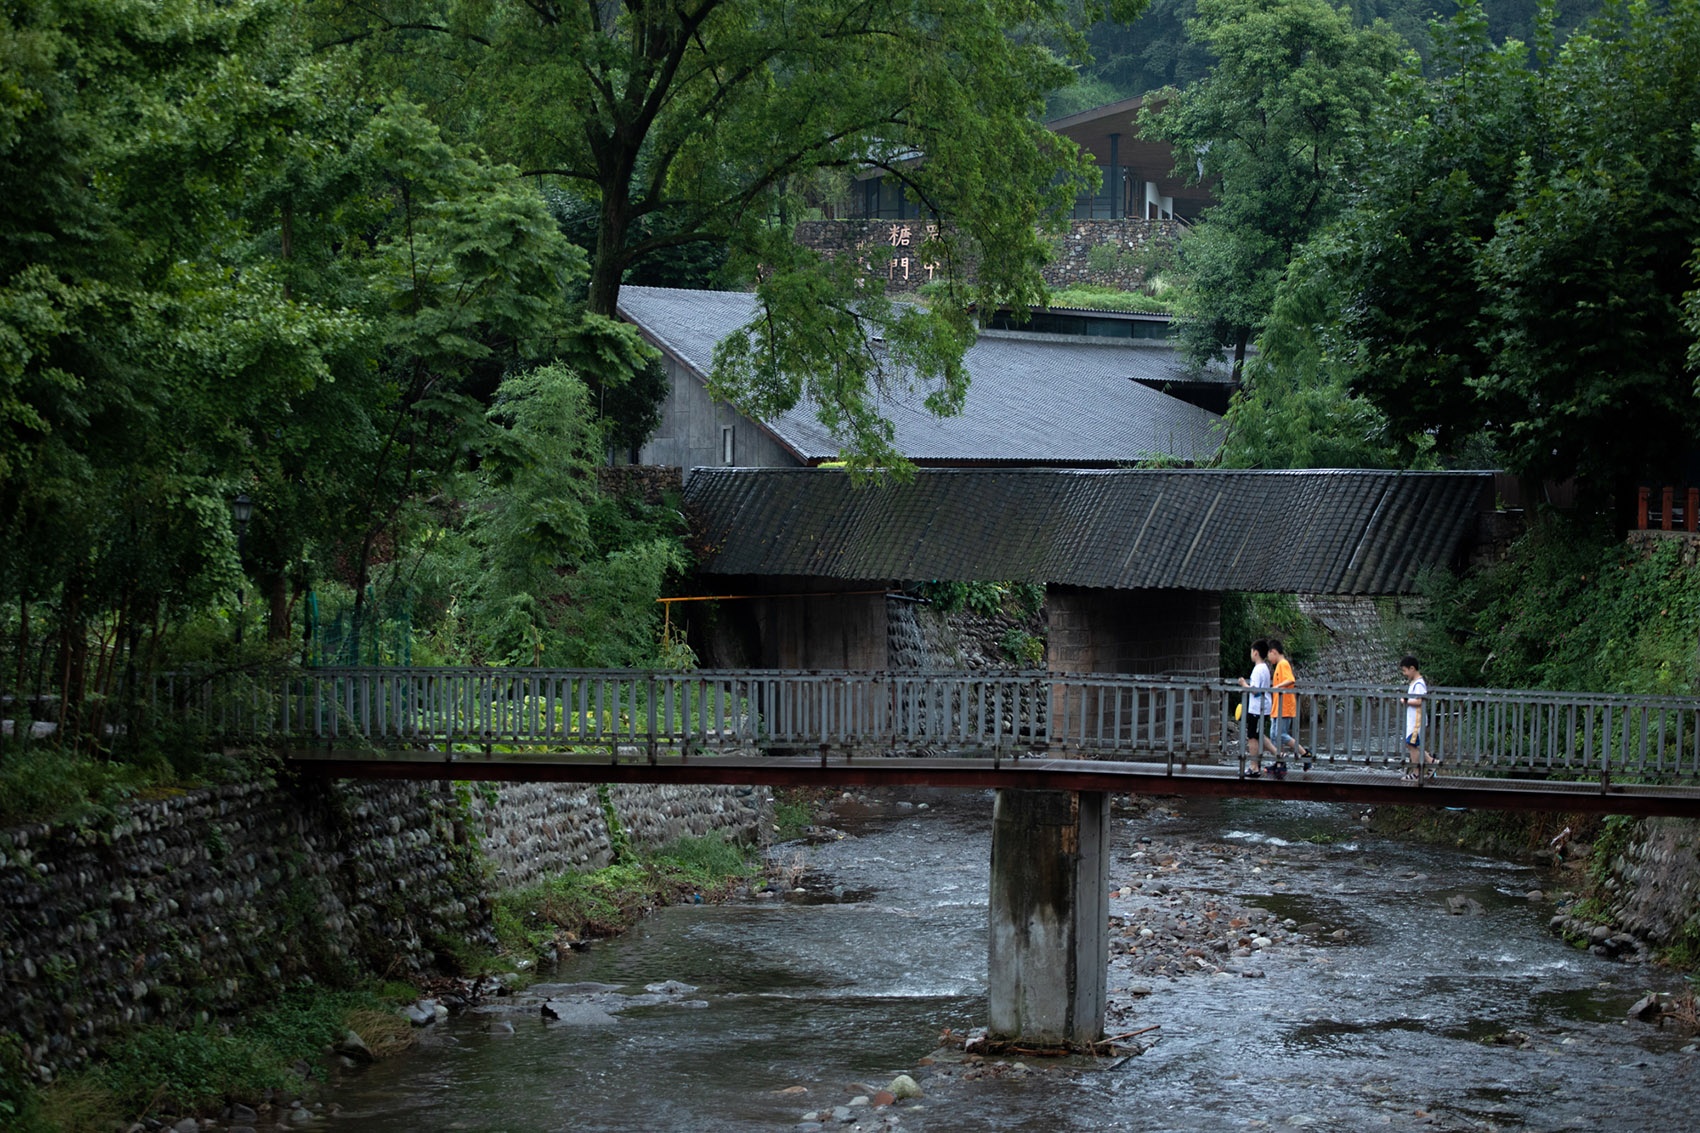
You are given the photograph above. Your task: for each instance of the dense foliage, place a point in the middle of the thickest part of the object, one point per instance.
(1156, 51)
(260, 248)
(359, 264)
(1272, 128)
(1509, 279)
(684, 123)
(1569, 608)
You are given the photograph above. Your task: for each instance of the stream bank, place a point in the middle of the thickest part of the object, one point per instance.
(1283, 964)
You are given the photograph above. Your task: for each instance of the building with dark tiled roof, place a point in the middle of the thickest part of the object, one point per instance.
(1084, 401)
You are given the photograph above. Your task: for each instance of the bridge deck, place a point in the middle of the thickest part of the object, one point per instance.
(1325, 782)
(1499, 748)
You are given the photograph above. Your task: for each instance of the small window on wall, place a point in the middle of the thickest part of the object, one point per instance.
(728, 451)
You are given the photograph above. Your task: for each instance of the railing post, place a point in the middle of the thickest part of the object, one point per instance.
(1641, 495)
(1665, 504)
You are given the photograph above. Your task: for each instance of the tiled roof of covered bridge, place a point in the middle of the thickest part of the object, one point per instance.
(1309, 532)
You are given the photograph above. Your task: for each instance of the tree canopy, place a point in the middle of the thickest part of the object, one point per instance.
(1515, 262)
(683, 122)
(1269, 129)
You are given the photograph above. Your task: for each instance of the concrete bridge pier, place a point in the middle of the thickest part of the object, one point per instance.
(1049, 939)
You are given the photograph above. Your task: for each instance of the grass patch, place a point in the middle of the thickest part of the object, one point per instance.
(45, 784)
(40, 782)
(158, 1071)
(793, 813)
(1090, 297)
(578, 906)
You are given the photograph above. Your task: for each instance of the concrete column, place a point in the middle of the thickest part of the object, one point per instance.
(1049, 939)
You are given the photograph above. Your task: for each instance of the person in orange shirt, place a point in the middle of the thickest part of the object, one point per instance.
(1285, 721)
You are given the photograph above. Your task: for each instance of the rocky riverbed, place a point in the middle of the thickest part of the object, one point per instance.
(1272, 965)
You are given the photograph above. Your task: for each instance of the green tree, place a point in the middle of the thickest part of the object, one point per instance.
(696, 121)
(1515, 263)
(1586, 271)
(222, 269)
(456, 271)
(1436, 174)
(127, 329)
(1270, 128)
(1297, 408)
(542, 568)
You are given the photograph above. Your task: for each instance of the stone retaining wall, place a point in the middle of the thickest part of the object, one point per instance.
(1109, 253)
(1365, 637)
(648, 482)
(1653, 885)
(177, 909)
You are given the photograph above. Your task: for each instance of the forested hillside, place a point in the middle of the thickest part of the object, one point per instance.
(1154, 50)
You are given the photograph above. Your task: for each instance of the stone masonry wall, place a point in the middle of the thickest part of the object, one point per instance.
(178, 909)
(655, 816)
(648, 482)
(1104, 252)
(534, 831)
(185, 906)
(1365, 638)
(1653, 886)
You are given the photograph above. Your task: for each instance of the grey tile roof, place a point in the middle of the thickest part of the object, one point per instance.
(1305, 532)
(1030, 401)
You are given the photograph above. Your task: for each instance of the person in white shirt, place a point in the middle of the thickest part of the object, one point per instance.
(1415, 692)
(1257, 705)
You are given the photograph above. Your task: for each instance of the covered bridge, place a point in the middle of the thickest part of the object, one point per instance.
(1134, 560)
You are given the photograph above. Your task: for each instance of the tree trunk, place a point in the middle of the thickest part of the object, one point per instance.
(277, 589)
(616, 163)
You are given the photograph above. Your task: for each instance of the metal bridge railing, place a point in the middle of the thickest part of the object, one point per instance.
(1483, 731)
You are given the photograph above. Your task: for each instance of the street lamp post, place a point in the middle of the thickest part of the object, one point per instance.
(241, 510)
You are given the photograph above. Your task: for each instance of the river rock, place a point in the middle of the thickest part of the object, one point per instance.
(903, 1086)
(576, 1014)
(351, 1046)
(669, 987)
(1649, 1006)
(1459, 905)
(419, 1015)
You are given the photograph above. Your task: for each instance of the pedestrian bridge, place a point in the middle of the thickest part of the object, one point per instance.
(1055, 746)
(1502, 749)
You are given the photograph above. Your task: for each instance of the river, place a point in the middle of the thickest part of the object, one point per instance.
(1283, 967)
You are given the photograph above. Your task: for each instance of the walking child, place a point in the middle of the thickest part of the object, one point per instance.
(1285, 730)
(1257, 709)
(1416, 690)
